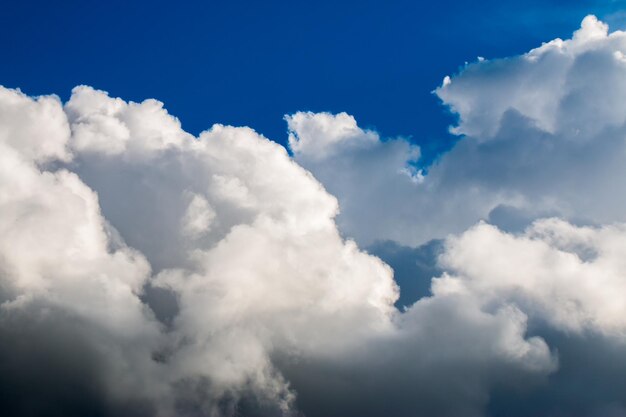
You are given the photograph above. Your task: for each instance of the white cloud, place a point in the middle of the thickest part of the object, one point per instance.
(319, 135)
(105, 125)
(543, 134)
(571, 276)
(102, 198)
(266, 267)
(37, 129)
(371, 177)
(56, 254)
(569, 87)
(245, 239)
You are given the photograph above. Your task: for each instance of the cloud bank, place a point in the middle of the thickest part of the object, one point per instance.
(148, 272)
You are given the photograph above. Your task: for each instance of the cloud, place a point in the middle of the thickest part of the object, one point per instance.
(571, 276)
(541, 134)
(67, 287)
(568, 281)
(127, 214)
(319, 135)
(214, 275)
(370, 176)
(541, 137)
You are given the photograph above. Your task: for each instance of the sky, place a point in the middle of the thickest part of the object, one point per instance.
(322, 210)
(250, 63)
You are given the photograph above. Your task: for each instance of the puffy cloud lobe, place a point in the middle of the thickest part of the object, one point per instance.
(547, 85)
(546, 128)
(319, 135)
(369, 176)
(245, 240)
(38, 130)
(104, 125)
(571, 276)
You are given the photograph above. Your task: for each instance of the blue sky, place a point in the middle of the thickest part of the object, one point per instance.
(249, 63)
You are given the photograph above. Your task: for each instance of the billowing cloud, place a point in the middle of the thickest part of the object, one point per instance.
(569, 281)
(543, 136)
(124, 203)
(242, 236)
(370, 176)
(145, 271)
(573, 276)
(64, 276)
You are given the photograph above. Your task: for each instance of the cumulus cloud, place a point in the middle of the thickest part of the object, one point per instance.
(370, 176)
(145, 271)
(569, 281)
(542, 135)
(573, 277)
(62, 272)
(124, 209)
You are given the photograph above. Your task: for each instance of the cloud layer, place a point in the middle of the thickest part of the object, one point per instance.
(145, 271)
